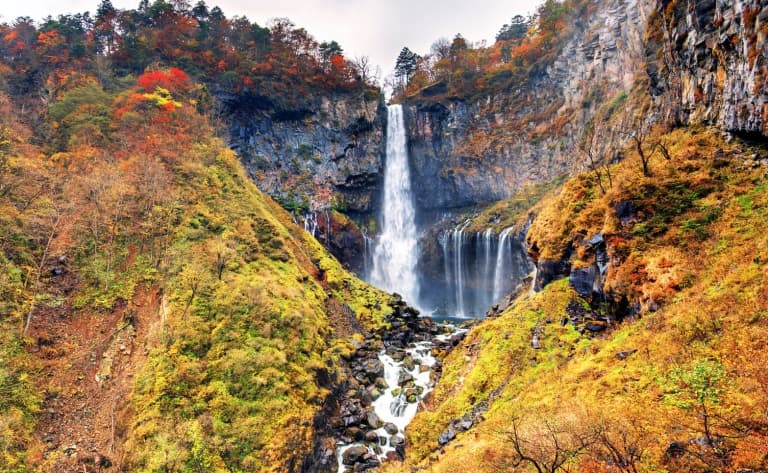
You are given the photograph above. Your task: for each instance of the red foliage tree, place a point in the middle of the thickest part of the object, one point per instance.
(174, 80)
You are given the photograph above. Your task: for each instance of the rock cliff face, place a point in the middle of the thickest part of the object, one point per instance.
(703, 62)
(467, 152)
(708, 63)
(313, 160)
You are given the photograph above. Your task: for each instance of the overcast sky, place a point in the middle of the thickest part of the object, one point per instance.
(375, 28)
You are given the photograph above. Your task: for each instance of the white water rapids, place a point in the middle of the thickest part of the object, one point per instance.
(395, 408)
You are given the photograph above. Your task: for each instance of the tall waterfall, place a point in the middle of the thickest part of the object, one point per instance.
(395, 254)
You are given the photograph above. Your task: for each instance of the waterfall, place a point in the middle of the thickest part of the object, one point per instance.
(458, 242)
(489, 270)
(479, 268)
(395, 254)
(367, 254)
(500, 273)
(310, 223)
(445, 242)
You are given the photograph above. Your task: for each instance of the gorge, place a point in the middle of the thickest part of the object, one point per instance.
(222, 249)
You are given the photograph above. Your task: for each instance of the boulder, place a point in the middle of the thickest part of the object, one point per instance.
(381, 383)
(374, 368)
(354, 454)
(447, 435)
(582, 280)
(373, 420)
(595, 326)
(404, 378)
(390, 428)
(355, 433)
(624, 354)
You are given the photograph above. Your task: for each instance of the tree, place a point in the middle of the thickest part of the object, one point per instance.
(516, 29)
(365, 70)
(104, 28)
(45, 224)
(221, 251)
(328, 50)
(549, 445)
(405, 66)
(622, 440)
(81, 117)
(700, 388)
(441, 48)
(598, 146)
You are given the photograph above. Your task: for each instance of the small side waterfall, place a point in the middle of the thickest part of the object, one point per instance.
(479, 268)
(459, 269)
(367, 255)
(310, 223)
(395, 253)
(501, 262)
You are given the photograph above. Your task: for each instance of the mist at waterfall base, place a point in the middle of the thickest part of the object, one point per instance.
(472, 270)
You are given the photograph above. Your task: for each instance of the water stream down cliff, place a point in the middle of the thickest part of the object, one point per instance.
(396, 250)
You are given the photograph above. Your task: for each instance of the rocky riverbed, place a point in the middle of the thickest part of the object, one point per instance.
(390, 373)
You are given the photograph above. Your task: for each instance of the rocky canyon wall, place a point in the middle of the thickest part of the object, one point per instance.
(328, 157)
(708, 63)
(701, 62)
(484, 149)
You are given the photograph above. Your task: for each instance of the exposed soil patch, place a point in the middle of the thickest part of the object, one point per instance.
(88, 365)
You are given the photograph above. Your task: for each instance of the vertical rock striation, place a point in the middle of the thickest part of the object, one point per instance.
(317, 159)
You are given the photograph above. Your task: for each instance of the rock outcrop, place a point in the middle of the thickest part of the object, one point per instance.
(703, 62)
(484, 149)
(708, 63)
(328, 157)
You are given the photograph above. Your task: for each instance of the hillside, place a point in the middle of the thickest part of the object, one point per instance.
(159, 312)
(645, 352)
(637, 344)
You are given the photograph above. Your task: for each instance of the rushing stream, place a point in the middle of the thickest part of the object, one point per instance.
(407, 374)
(389, 383)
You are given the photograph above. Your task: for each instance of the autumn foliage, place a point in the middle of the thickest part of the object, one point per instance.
(174, 80)
(233, 55)
(458, 69)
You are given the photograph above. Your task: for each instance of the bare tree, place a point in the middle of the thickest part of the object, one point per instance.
(598, 147)
(365, 69)
(221, 251)
(639, 130)
(47, 224)
(441, 48)
(549, 445)
(621, 443)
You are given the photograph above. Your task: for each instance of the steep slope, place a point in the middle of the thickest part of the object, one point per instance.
(172, 315)
(306, 121)
(637, 346)
(654, 365)
(521, 118)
